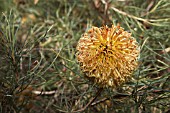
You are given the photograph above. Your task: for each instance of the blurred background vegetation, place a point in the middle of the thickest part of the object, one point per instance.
(38, 68)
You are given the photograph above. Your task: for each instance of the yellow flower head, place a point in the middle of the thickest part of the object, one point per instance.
(108, 55)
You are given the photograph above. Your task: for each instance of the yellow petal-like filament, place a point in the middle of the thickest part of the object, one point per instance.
(109, 55)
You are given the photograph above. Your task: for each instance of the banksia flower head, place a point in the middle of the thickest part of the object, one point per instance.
(108, 55)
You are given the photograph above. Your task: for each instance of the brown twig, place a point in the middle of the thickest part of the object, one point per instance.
(99, 101)
(103, 13)
(44, 92)
(90, 102)
(147, 21)
(47, 92)
(130, 16)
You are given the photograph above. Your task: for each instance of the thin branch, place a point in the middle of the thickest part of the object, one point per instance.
(90, 102)
(44, 92)
(130, 16)
(147, 21)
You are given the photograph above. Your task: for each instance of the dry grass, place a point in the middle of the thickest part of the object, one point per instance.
(38, 69)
